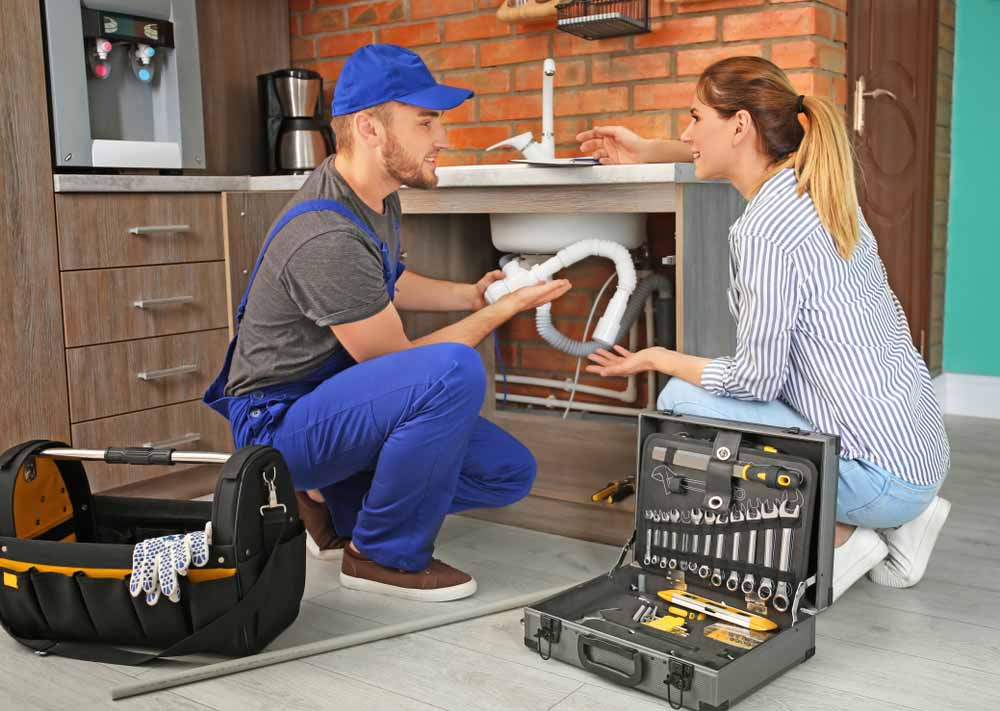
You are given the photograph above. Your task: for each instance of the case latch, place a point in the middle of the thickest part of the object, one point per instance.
(549, 630)
(680, 676)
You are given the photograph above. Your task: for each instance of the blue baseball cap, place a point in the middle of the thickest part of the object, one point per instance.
(377, 73)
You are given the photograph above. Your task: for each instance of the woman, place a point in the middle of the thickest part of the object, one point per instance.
(822, 342)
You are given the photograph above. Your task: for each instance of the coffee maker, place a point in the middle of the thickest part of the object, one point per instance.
(296, 137)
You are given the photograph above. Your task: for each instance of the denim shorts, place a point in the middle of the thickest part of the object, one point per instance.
(867, 495)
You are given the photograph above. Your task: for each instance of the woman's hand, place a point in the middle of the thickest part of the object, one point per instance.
(614, 145)
(623, 362)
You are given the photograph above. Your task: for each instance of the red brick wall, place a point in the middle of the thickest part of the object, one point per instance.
(643, 81)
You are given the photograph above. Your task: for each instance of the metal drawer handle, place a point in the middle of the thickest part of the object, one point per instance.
(148, 375)
(153, 229)
(187, 438)
(165, 301)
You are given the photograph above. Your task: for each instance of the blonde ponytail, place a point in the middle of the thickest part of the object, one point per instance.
(824, 166)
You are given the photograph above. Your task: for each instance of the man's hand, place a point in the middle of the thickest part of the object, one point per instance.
(623, 362)
(479, 294)
(614, 145)
(531, 297)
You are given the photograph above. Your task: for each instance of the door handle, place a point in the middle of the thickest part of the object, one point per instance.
(859, 102)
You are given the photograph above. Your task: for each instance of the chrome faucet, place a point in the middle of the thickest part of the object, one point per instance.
(525, 142)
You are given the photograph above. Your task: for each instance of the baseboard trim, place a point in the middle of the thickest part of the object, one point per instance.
(968, 395)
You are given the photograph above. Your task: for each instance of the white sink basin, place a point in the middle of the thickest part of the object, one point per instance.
(546, 233)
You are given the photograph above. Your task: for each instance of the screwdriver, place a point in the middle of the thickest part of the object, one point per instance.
(615, 491)
(771, 476)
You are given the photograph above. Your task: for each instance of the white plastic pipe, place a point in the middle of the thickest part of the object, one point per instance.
(554, 402)
(256, 661)
(548, 132)
(626, 395)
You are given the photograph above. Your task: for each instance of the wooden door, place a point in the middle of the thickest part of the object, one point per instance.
(891, 76)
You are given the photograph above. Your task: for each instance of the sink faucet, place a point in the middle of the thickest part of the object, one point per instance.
(525, 142)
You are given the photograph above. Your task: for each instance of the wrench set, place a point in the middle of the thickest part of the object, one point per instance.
(710, 546)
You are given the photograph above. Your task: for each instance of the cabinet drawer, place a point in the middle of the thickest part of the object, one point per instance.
(121, 230)
(207, 431)
(135, 375)
(119, 304)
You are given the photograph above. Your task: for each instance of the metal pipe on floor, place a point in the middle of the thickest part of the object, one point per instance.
(234, 666)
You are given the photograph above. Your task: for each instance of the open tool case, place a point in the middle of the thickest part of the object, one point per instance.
(694, 477)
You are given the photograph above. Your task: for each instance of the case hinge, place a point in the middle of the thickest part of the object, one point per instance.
(680, 676)
(549, 630)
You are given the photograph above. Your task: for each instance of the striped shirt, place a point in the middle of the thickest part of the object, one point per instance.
(827, 337)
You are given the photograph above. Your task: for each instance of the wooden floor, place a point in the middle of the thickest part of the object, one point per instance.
(934, 647)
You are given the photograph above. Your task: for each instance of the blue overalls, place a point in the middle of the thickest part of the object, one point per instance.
(394, 443)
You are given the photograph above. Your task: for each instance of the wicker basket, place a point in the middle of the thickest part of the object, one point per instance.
(599, 19)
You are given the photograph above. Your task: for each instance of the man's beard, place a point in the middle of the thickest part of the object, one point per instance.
(401, 167)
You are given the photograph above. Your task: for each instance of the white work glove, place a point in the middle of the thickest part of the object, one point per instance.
(156, 563)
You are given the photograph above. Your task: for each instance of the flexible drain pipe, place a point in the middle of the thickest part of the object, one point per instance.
(609, 325)
(551, 335)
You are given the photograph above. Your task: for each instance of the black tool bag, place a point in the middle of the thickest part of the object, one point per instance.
(689, 464)
(66, 556)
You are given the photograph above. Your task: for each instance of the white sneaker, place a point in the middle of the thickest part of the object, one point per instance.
(910, 547)
(859, 554)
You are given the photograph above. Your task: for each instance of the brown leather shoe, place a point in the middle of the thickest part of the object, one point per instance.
(439, 582)
(321, 540)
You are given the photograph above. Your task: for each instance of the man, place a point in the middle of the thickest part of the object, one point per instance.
(387, 429)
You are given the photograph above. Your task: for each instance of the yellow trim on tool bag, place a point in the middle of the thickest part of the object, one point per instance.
(195, 575)
(42, 503)
(9, 580)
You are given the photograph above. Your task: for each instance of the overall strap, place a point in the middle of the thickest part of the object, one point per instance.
(317, 205)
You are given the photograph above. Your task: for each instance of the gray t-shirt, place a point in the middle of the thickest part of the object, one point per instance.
(321, 270)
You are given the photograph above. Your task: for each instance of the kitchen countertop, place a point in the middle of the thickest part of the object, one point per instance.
(478, 176)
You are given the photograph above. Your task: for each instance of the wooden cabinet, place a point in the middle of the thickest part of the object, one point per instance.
(144, 322)
(69, 289)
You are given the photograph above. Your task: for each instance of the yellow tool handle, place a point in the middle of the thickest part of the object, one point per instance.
(771, 476)
(607, 491)
(690, 614)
